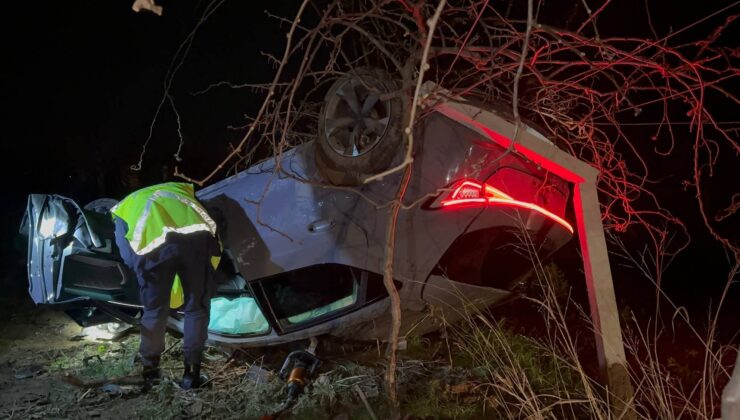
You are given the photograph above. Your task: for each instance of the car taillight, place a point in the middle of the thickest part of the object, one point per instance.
(465, 193)
(468, 192)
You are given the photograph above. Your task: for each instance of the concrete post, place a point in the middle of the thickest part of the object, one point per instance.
(602, 301)
(731, 394)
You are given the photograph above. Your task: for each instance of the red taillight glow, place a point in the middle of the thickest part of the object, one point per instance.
(496, 193)
(464, 202)
(467, 190)
(471, 193)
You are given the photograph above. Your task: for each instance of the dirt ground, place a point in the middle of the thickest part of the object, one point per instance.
(36, 347)
(42, 351)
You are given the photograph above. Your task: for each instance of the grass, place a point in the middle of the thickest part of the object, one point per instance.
(478, 368)
(434, 401)
(544, 378)
(492, 372)
(98, 360)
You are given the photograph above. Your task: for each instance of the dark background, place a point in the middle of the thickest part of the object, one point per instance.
(80, 82)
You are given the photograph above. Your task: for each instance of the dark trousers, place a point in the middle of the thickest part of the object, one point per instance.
(189, 256)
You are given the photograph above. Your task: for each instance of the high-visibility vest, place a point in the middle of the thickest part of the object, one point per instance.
(153, 212)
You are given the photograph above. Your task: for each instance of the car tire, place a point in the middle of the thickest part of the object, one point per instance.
(101, 205)
(360, 127)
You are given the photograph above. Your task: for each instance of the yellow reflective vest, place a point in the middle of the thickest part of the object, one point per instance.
(153, 212)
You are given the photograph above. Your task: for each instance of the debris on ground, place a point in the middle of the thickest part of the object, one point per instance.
(98, 379)
(29, 372)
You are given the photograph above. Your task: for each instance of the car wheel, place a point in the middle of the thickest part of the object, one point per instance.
(359, 127)
(101, 205)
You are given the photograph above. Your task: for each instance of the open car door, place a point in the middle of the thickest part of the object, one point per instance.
(72, 259)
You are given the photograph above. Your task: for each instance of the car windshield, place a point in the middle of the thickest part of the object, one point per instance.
(237, 316)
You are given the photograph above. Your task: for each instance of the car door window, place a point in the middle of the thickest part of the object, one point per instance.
(341, 303)
(311, 293)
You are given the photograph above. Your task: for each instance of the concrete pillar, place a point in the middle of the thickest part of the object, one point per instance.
(602, 301)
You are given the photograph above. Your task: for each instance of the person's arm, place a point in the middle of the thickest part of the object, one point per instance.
(124, 247)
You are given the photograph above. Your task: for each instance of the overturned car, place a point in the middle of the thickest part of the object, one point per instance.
(304, 236)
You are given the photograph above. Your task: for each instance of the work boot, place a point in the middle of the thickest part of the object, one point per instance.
(152, 376)
(191, 377)
(150, 371)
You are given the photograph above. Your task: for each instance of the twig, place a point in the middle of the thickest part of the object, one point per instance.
(263, 108)
(82, 397)
(390, 286)
(177, 61)
(592, 18)
(423, 66)
(362, 396)
(168, 349)
(520, 69)
(215, 375)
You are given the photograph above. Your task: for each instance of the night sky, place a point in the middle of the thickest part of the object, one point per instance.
(80, 82)
(85, 78)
